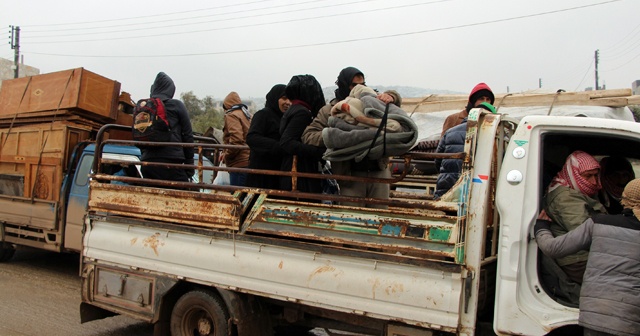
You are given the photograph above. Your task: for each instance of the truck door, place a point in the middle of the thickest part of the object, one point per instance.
(77, 203)
(537, 150)
(79, 195)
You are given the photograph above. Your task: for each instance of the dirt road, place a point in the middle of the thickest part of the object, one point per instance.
(40, 295)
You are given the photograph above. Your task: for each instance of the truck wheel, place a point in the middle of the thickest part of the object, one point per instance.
(199, 313)
(6, 253)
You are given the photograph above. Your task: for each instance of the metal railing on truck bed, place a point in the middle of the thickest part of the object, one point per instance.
(414, 225)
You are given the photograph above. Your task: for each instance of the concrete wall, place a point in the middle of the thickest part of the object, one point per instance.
(635, 87)
(6, 72)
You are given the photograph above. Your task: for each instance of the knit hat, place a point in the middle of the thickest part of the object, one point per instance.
(631, 197)
(479, 91)
(569, 176)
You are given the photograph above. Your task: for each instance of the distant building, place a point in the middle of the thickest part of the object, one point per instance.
(7, 72)
(635, 87)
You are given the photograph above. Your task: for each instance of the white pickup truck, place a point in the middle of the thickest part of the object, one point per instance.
(241, 261)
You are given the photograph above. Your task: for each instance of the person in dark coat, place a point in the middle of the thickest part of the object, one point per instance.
(449, 169)
(610, 293)
(615, 173)
(264, 139)
(307, 98)
(180, 125)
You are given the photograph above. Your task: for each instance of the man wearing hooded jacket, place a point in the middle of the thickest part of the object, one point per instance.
(481, 93)
(347, 79)
(180, 126)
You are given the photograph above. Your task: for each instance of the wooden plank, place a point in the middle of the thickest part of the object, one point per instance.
(611, 98)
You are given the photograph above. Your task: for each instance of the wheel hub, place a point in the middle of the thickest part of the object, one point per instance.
(204, 326)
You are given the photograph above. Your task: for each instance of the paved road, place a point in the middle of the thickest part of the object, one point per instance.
(40, 295)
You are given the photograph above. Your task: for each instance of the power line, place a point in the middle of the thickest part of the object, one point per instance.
(631, 60)
(585, 76)
(221, 20)
(342, 41)
(157, 15)
(615, 45)
(251, 25)
(189, 18)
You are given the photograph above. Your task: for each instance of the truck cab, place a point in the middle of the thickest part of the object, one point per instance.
(525, 304)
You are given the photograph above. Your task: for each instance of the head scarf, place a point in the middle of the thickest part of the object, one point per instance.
(344, 81)
(276, 92)
(305, 88)
(631, 197)
(569, 176)
(609, 166)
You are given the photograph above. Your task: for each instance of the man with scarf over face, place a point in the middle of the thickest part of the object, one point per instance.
(347, 79)
(570, 200)
(610, 294)
(307, 98)
(180, 125)
(264, 139)
(236, 126)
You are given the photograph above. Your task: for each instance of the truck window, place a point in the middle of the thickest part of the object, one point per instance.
(556, 147)
(84, 169)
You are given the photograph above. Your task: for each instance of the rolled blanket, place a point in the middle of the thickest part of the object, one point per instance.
(357, 144)
(338, 122)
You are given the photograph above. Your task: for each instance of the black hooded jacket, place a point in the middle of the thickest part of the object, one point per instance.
(264, 140)
(164, 88)
(307, 98)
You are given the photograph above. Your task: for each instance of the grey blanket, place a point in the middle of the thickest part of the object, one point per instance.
(345, 142)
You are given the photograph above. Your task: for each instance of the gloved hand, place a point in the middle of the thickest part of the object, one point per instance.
(541, 224)
(189, 171)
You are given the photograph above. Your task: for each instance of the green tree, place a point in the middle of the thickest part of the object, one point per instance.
(635, 109)
(195, 106)
(202, 112)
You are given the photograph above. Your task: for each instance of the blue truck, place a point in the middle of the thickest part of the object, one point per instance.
(44, 183)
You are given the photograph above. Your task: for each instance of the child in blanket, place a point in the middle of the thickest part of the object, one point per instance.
(352, 109)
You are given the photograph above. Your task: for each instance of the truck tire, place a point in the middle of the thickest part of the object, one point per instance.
(199, 313)
(6, 253)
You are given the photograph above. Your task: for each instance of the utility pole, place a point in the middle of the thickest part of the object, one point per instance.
(15, 45)
(597, 60)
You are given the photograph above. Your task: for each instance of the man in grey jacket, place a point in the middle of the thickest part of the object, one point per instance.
(610, 294)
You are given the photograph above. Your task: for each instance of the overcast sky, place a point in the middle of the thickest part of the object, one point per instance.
(212, 47)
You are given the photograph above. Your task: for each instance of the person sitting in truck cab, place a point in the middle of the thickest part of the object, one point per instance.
(610, 295)
(481, 93)
(570, 200)
(615, 173)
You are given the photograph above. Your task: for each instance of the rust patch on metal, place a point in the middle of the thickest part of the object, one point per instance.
(134, 241)
(394, 288)
(280, 265)
(153, 242)
(323, 269)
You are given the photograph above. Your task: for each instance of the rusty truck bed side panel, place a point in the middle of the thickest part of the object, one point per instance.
(220, 210)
